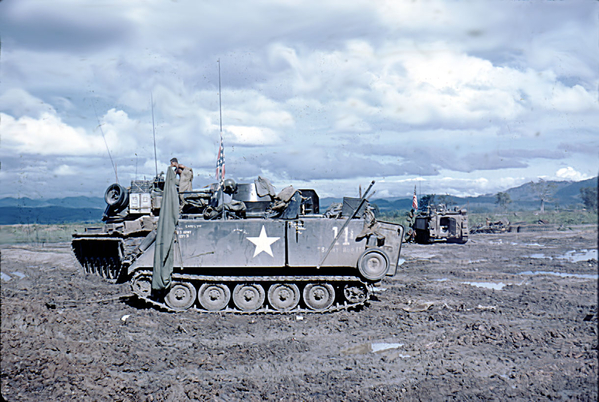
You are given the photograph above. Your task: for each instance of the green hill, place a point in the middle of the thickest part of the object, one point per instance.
(48, 215)
(564, 194)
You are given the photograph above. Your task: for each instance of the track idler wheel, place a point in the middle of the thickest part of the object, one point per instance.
(373, 264)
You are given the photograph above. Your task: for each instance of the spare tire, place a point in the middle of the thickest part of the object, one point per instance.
(116, 196)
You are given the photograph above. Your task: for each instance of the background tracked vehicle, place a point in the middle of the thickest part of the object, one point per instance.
(244, 249)
(441, 224)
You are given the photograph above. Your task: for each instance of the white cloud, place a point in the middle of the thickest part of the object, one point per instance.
(121, 132)
(48, 135)
(252, 135)
(569, 173)
(64, 170)
(331, 90)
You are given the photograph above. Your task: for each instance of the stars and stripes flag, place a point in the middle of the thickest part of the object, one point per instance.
(415, 200)
(220, 162)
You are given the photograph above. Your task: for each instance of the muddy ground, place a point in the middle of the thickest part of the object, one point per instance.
(505, 316)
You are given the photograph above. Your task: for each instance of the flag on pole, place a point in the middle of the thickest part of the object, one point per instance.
(415, 200)
(220, 162)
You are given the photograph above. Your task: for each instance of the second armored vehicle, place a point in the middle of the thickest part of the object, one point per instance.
(441, 224)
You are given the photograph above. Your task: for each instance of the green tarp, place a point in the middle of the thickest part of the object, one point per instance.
(164, 251)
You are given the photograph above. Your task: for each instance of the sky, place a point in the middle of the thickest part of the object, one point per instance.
(450, 97)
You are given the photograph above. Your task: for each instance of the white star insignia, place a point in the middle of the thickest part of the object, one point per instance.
(263, 242)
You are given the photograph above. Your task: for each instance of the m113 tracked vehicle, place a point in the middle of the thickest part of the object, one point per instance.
(441, 224)
(243, 248)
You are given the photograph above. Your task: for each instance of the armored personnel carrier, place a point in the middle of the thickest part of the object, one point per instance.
(243, 248)
(441, 224)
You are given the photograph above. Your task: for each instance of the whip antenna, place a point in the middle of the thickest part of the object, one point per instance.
(220, 110)
(105, 143)
(154, 133)
(221, 150)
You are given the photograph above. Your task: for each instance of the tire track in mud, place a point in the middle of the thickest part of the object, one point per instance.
(533, 338)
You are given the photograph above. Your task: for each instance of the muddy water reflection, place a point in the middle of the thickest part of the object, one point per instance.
(562, 274)
(374, 347)
(486, 285)
(572, 256)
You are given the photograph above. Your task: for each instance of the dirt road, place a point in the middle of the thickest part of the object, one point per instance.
(509, 316)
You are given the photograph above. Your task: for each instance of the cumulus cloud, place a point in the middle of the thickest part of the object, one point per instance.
(323, 92)
(48, 135)
(569, 173)
(252, 135)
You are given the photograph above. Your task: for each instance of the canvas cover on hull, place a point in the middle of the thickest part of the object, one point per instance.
(165, 235)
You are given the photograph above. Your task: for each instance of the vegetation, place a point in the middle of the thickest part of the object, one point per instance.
(543, 190)
(427, 200)
(40, 234)
(589, 198)
(565, 217)
(569, 217)
(561, 203)
(503, 200)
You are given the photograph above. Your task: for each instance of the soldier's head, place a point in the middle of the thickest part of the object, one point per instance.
(174, 162)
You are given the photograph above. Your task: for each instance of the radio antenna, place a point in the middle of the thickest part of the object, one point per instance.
(220, 110)
(105, 143)
(154, 133)
(221, 149)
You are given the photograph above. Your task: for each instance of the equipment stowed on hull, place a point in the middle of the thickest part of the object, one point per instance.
(441, 224)
(268, 254)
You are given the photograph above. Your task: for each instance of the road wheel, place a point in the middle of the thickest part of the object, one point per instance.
(319, 296)
(181, 296)
(248, 297)
(283, 296)
(214, 296)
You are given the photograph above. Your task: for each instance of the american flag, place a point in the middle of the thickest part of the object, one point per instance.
(415, 200)
(220, 162)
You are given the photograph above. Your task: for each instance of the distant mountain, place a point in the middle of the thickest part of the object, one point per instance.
(526, 191)
(67, 202)
(327, 201)
(89, 209)
(573, 189)
(563, 193)
(48, 215)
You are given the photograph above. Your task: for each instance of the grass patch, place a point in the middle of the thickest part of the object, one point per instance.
(34, 233)
(579, 217)
(567, 218)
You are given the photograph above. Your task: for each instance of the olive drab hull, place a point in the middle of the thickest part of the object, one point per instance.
(269, 244)
(258, 263)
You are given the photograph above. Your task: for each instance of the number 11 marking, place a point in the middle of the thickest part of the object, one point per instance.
(345, 235)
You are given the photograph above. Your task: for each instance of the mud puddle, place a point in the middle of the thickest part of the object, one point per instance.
(419, 339)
